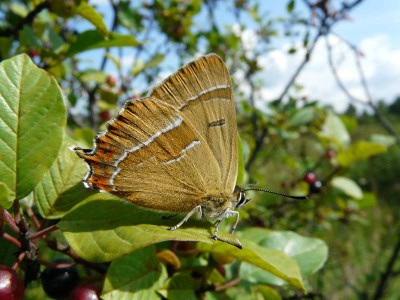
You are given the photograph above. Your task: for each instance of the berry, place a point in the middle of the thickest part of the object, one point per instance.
(85, 292)
(111, 81)
(11, 286)
(105, 115)
(33, 53)
(315, 187)
(59, 281)
(310, 177)
(331, 154)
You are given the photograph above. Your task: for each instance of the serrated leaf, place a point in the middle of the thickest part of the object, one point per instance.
(103, 228)
(309, 253)
(6, 197)
(32, 121)
(61, 187)
(89, 13)
(271, 260)
(135, 276)
(335, 131)
(92, 39)
(348, 186)
(359, 151)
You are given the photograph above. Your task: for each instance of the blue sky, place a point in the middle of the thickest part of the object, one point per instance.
(373, 28)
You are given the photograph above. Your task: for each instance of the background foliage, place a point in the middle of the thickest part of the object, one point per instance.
(347, 162)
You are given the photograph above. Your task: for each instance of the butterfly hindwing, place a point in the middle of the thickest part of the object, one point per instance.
(202, 92)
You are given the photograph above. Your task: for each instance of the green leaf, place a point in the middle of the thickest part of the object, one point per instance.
(309, 253)
(103, 228)
(368, 200)
(359, 151)
(32, 121)
(383, 139)
(6, 197)
(267, 259)
(290, 6)
(135, 276)
(348, 186)
(335, 131)
(92, 39)
(61, 187)
(89, 13)
(179, 287)
(153, 62)
(302, 117)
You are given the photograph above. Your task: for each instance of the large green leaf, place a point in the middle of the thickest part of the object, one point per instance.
(61, 187)
(274, 261)
(360, 151)
(103, 228)
(309, 253)
(135, 276)
(32, 121)
(92, 39)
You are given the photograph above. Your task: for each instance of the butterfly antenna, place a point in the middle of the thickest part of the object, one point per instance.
(277, 193)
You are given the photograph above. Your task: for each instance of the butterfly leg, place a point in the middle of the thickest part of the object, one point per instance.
(236, 214)
(196, 209)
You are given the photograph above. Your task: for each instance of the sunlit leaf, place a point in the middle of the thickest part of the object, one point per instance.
(334, 131)
(309, 253)
(103, 228)
(274, 261)
(92, 39)
(32, 121)
(61, 187)
(89, 13)
(359, 151)
(348, 186)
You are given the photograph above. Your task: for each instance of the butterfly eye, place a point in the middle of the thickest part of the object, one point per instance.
(242, 200)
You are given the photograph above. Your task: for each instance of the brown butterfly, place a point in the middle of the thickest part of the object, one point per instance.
(176, 149)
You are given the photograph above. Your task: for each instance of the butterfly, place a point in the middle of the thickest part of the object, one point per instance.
(175, 150)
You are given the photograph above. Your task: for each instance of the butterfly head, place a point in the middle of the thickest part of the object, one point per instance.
(240, 196)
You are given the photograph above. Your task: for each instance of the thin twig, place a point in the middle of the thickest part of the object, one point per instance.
(385, 277)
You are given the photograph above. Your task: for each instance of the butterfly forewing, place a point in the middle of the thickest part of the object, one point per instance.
(202, 92)
(152, 156)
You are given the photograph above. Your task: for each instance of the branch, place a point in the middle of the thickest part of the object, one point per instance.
(385, 277)
(13, 31)
(369, 101)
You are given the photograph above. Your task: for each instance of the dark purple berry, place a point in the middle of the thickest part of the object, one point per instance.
(59, 281)
(85, 292)
(11, 286)
(315, 187)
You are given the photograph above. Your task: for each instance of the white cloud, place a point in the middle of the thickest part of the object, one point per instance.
(380, 62)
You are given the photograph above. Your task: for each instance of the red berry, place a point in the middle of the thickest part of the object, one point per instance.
(111, 80)
(85, 292)
(331, 154)
(33, 53)
(105, 115)
(310, 177)
(11, 286)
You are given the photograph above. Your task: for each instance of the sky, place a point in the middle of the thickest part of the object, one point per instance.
(373, 29)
